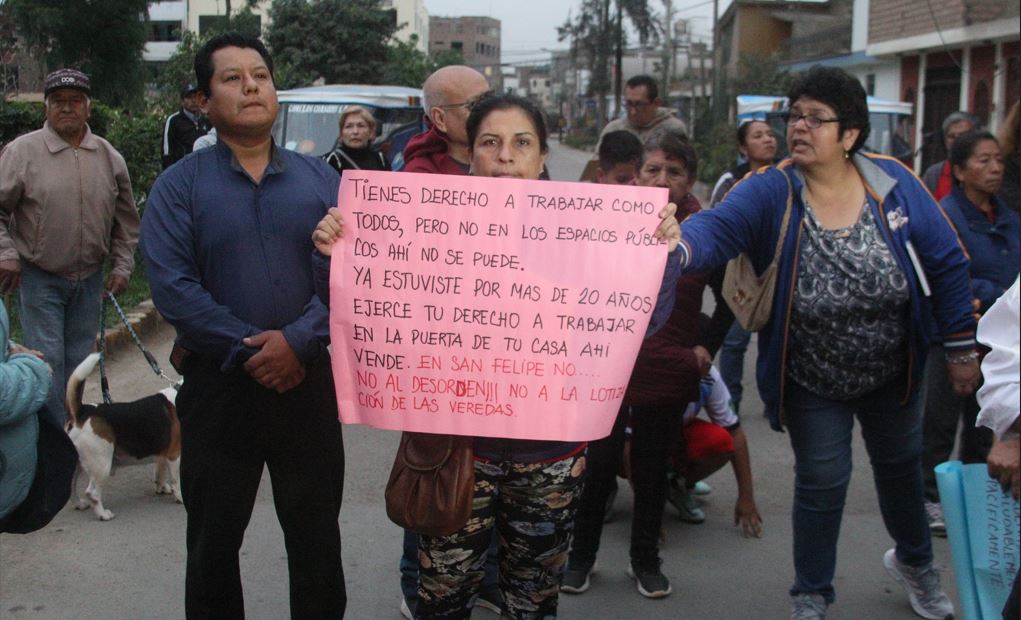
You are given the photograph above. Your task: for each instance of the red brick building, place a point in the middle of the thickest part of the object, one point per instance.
(953, 55)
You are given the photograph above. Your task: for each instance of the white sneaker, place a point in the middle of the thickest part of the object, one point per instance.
(405, 611)
(923, 587)
(808, 607)
(678, 495)
(934, 515)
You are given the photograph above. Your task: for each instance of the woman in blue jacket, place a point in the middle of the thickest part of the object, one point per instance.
(24, 384)
(990, 232)
(867, 254)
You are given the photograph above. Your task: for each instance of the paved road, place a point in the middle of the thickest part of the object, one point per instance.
(133, 567)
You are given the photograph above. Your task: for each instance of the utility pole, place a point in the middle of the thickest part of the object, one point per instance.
(602, 57)
(666, 57)
(717, 59)
(618, 71)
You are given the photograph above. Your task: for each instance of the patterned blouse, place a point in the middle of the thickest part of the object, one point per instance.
(848, 332)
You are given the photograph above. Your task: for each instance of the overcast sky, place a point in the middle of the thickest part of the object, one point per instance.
(529, 26)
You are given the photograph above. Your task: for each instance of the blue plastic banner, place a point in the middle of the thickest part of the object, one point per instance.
(982, 526)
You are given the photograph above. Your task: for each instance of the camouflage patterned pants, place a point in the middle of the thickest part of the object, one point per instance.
(532, 507)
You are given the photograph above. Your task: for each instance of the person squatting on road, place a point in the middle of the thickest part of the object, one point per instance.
(868, 256)
(226, 245)
(527, 490)
(65, 204)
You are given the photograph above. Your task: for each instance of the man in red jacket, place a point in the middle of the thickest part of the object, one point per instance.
(448, 96)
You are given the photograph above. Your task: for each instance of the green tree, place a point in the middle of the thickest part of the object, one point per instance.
(594, 33)
(408, 66)
(103, 38)
(336, 40)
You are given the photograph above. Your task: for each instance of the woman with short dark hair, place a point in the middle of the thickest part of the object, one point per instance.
(866, 258)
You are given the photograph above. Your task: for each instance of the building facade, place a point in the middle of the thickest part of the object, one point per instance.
(952, 55)
(413, 19)
(478, 40)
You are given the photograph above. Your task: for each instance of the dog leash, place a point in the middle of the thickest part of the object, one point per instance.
(103, 382)
(149, 357)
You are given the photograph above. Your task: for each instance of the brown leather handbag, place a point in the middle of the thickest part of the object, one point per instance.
(750, 295)
(432, 483)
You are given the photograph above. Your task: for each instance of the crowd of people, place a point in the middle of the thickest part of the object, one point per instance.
(877, 293)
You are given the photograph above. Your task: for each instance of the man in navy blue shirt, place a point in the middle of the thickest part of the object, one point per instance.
(226, 240)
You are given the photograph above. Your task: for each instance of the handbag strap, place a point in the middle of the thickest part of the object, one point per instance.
(786, 219)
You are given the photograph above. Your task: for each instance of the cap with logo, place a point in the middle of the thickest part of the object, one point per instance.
(190, 89)
(67, 78)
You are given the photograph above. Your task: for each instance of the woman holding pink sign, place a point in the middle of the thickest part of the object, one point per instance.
(528, 490)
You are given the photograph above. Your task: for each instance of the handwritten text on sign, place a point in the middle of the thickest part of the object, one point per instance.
(490, 307)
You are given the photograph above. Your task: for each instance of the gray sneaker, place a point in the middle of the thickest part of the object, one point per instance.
(681, 498)
(808, 607)
(934, 514)
(922, 585)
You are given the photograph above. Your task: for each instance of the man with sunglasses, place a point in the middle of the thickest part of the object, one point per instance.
(448, 96)
(645, 116)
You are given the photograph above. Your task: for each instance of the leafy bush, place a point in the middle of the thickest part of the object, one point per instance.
(138, 138)
(19, 117)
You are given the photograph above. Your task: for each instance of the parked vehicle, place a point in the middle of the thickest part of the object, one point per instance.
(890, 120)
(308, 117)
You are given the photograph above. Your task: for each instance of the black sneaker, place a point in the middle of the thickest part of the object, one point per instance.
(576, 578)
(651, 582)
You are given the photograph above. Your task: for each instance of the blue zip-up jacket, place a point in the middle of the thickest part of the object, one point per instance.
(748, 220)
(994, 248)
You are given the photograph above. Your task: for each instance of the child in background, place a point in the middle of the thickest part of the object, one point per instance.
(708, 445)
(620, 153)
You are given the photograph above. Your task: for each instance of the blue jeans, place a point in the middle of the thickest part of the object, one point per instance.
(731, 361)
(820, 434)
(409, 569)
(60, 318)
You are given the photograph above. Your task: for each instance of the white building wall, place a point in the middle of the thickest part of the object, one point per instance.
(415, 19)
(176, 11)
(218, 7)
(860, 25)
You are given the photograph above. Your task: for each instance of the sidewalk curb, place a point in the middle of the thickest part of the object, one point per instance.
(144, 319)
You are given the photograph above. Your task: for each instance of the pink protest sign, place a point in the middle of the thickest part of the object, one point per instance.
(490, 307)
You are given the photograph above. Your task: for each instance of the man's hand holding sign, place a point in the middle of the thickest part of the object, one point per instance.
(491, 307)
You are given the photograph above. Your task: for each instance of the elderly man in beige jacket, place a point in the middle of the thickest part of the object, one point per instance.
(65, 203)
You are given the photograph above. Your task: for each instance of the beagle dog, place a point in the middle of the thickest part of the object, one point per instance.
(143, 428)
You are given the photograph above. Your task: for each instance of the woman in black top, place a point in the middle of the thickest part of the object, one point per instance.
(354, 145)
